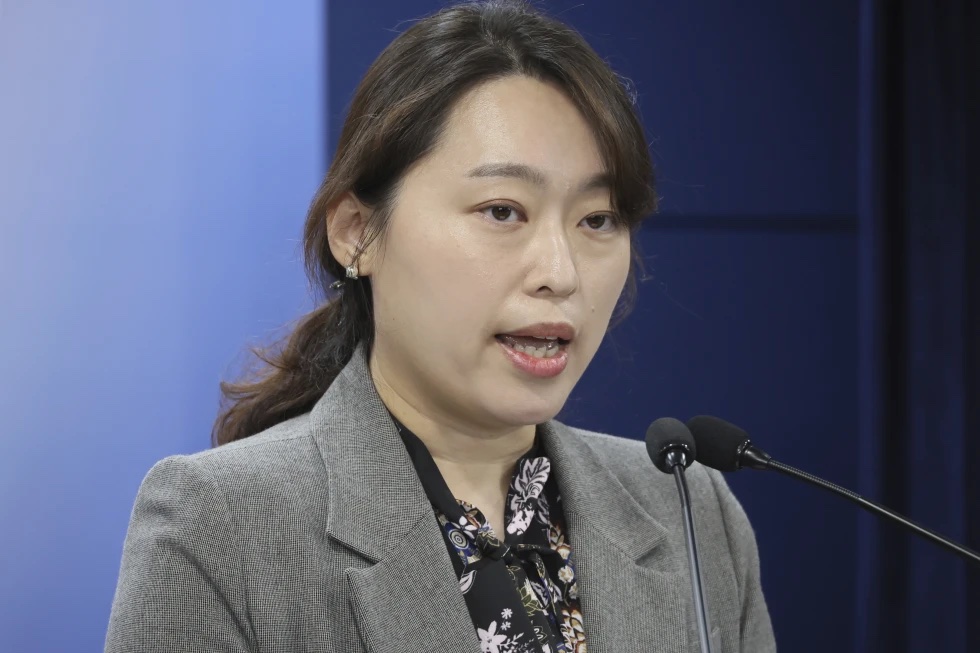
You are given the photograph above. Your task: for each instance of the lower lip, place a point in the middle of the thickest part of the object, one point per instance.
(543, 368)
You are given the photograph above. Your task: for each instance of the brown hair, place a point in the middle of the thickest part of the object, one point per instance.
(395, 118)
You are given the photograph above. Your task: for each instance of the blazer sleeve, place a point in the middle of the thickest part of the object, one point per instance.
(756, 628)
(181, 583)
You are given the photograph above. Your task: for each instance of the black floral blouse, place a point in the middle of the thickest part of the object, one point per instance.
(521, 593)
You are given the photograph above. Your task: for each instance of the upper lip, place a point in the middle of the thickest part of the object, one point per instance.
(561, 330)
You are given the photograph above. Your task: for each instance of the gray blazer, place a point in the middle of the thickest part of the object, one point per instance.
(316, 535)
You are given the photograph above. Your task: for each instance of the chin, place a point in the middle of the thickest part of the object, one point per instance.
(530, 410)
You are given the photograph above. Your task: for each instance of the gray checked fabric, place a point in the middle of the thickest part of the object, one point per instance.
(316, 536)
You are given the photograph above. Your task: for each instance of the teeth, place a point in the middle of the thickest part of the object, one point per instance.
(549, 350)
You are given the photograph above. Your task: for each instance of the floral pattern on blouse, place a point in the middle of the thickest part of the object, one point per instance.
(521, 591)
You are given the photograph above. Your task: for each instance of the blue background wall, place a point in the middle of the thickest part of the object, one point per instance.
(750, 311)
(156, 160)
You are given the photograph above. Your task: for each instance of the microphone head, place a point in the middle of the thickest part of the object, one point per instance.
(720, 443)
(670, 443)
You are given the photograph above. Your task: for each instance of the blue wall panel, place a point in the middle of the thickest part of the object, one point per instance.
(755, 326)
(156, 161)
(751, 312)
(751, 108)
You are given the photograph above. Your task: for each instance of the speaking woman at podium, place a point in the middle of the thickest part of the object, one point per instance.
(394, 478)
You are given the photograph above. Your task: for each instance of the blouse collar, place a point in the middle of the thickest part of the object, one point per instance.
(431, 478)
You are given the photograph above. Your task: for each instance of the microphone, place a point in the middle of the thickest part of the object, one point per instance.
(727, 448)
(670, 443)
(671, 448)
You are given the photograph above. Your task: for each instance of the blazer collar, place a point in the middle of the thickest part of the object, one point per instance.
(375, 496)
(595, 500)
(624, 563)
(378, 509)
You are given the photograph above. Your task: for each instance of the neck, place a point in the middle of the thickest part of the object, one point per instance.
(476, 461)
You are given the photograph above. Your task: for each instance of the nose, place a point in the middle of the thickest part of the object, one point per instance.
(551, 263)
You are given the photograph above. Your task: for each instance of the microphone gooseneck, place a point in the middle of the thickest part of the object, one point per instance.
(672, 449)
(727, 448)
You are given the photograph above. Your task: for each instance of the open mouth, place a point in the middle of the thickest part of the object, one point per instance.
(531, 346)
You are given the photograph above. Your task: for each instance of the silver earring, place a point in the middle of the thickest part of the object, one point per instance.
(350, 272)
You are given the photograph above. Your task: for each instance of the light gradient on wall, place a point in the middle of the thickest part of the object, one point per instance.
(156, 162)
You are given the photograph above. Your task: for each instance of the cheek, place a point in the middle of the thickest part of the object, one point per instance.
(439, 276)
(469, 256)
(606, 279)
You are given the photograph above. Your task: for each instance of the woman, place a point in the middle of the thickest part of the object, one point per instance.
(395, 481)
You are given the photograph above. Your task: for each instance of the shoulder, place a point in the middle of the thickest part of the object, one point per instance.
(290, 439)
(628, 461)
(624, 453)
(202, 529)
(280, 464)
(288, 442)
(726, 537)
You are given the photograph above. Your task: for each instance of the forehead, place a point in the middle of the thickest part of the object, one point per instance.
(523, 120)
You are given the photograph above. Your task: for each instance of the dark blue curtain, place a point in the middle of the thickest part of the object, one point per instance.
(920, 327)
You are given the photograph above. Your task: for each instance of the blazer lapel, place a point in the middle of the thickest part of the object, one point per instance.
(633, 585)
(408, 599)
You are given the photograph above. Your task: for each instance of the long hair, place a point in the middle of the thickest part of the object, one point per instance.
(395, 118)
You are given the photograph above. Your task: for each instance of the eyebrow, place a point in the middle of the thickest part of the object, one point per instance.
(535, 177)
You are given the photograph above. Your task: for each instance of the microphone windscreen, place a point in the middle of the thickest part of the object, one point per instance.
(719, 443)
(665, 434)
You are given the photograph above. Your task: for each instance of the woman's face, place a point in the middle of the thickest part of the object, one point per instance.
(505, 225)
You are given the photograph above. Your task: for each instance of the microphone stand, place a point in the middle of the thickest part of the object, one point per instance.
(727, 448)
(675, 460)
(873, 507)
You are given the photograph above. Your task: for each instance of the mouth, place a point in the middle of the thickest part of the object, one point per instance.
(537, 347)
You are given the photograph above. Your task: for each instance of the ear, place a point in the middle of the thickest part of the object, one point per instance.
(346, 223)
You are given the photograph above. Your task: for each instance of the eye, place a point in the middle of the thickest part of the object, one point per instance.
(501, 213)
(602, 222)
